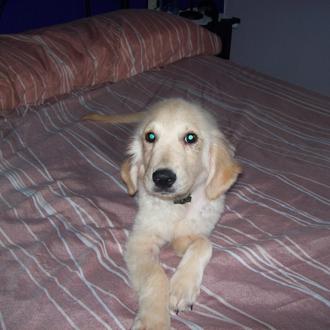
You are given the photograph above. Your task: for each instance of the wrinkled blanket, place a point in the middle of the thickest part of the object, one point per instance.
(65, 214)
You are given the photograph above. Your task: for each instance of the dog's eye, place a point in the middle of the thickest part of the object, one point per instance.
(150, 137)
(190, 138)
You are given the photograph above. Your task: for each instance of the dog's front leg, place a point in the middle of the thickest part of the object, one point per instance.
(186, 281)
(149, 280)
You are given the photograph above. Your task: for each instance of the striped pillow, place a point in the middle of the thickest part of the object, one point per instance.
(150, 39)
(53, 61)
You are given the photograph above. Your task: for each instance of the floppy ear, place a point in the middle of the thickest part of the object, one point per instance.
(132, 168)
(223, 170)
(129, 174)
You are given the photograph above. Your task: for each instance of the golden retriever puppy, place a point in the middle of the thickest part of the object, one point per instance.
(180, 165)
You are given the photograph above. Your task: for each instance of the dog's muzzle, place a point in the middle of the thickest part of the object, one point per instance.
(164, 179)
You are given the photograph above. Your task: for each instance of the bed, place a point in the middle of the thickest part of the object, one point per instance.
(64, 211)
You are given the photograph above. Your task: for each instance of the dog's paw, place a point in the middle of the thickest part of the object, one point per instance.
(151, 322)
(185, 287)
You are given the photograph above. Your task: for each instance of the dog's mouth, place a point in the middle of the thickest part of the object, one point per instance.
(168, 193)
(171, 195)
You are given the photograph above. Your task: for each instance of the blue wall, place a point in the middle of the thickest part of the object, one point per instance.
(21, 15)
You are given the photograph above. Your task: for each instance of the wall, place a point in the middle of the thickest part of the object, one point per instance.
(288, 39)
(21, 15)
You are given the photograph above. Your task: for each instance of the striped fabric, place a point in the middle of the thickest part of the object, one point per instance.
(65, 215)
(53, 61)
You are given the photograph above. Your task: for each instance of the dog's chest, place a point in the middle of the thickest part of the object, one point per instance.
(169, 220)
(202, 214)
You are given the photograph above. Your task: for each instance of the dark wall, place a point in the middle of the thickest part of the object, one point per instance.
(21, 15)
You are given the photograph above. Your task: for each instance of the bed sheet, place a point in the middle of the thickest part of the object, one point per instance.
(65, 214)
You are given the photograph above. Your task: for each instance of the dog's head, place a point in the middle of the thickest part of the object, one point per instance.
(176, 148)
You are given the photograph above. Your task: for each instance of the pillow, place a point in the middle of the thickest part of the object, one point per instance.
(150, 39)
(54, 61)
(48, 62)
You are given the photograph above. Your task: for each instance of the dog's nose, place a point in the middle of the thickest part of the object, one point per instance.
(164, 178)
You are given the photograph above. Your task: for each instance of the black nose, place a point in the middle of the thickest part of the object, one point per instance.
(164, 178)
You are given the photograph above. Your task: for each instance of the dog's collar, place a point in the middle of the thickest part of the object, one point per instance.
(184, 200)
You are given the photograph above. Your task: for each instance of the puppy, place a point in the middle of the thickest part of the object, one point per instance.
(181, 165)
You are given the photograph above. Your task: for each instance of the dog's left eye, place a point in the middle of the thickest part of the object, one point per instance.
(190, 138)
(150, 137)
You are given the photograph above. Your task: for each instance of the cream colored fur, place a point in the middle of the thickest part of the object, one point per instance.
(205, 170)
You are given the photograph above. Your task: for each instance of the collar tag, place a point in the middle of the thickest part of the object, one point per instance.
(184, 200)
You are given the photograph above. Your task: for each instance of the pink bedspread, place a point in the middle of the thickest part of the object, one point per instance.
(65, 215)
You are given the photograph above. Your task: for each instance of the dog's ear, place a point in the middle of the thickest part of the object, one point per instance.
(223, 169)
(132, 168)
(129, 174)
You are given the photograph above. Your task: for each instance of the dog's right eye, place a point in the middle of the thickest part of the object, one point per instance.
(190, 138)
(150, 137)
